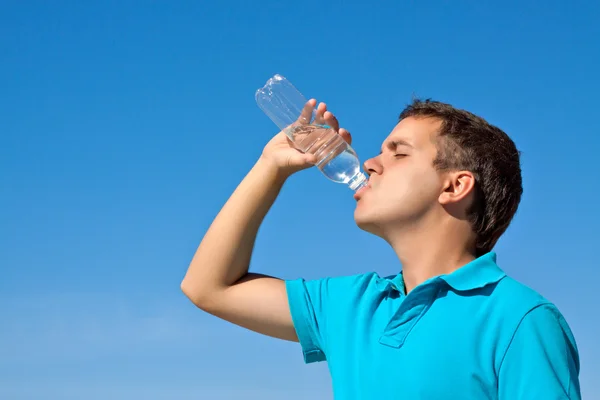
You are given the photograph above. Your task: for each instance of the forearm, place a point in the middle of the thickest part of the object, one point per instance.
(223, 256)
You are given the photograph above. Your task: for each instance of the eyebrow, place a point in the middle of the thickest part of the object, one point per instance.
(393, 144)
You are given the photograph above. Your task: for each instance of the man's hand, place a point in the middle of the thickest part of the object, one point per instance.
(280, 151)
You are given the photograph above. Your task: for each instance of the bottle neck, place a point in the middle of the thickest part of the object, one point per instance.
(358, 181)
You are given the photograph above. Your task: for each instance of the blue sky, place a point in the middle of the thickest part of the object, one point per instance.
(124, 127)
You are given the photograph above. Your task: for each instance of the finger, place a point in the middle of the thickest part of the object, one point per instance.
(301, 160)
(306, 114)
(345, 135)
(319, 118)
(331, 120)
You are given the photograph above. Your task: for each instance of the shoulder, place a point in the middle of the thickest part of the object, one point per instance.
(532, 309)
(523, 311)
(514, 297)
(339, 296)
(510, 302)
(340, 287)
(514, 301)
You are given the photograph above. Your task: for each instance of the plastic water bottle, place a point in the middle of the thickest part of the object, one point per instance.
(283, 103)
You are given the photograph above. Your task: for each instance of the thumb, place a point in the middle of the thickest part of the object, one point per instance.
(310, 158)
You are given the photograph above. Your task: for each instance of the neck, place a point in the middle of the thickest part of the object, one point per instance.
(429, 251)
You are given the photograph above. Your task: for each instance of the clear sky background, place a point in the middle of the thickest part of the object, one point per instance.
(125, 126)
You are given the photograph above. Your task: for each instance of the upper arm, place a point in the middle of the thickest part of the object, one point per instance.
(541, 361)
(256, 302)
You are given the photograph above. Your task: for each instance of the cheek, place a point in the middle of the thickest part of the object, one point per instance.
(417, 184)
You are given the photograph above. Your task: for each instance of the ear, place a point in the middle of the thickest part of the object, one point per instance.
(458, 185)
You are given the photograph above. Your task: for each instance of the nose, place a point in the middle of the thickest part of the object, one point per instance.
(372, 165)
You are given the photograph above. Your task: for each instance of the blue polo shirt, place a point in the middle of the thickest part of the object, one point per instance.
(472, 334)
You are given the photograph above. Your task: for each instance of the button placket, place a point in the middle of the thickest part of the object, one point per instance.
(411, 310)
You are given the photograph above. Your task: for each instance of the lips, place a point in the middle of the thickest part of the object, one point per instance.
(361, 191)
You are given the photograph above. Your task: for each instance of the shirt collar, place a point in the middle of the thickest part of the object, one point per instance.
(476, 274)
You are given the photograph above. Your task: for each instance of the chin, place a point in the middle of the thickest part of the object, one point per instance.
(366, 222)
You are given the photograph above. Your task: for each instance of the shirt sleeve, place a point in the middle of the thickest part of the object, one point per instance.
(542, 360)
(317, 305)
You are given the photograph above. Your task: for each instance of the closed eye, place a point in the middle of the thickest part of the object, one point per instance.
(400, 155)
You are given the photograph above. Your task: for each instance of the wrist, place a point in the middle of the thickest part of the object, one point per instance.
(270, 171)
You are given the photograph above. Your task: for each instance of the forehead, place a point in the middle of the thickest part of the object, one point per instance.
(419, 133)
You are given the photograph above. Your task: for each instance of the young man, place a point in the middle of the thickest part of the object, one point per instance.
(451, 325)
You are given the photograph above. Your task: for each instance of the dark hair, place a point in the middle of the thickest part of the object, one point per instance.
(468, 142)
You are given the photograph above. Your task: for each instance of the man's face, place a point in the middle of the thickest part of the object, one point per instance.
(404, 185)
